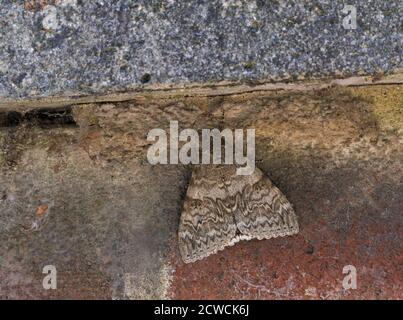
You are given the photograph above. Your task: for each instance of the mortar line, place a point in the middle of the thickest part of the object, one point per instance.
(186, 92)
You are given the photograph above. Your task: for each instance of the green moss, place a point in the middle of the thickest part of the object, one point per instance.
(249, 65)
(255, 24)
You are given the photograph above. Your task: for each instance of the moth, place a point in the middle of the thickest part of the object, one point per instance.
(222, 208)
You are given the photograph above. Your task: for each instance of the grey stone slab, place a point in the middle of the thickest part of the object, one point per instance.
(71, 47)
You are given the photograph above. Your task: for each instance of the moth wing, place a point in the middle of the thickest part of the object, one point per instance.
(206, 226)
(262, 212)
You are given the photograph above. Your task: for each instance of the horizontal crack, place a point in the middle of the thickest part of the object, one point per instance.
(200, 91)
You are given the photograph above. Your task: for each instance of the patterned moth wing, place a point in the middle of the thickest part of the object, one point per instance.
(205, 228)
(222, 208)
(207, 224)
(263, 212)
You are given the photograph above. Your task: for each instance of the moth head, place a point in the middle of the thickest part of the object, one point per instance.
(261, 187)
(196, 204)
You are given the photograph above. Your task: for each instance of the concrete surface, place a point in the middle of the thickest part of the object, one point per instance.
(74, 47)
(107, 220)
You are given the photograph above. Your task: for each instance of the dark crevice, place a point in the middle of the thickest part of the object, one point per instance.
(39, 117)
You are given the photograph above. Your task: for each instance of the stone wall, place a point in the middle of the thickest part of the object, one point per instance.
(111, 218)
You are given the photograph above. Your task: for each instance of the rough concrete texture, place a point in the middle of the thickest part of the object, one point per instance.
(79, 195)
(75, 47)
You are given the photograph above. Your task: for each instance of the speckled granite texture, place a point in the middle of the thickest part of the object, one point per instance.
(70, 47)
